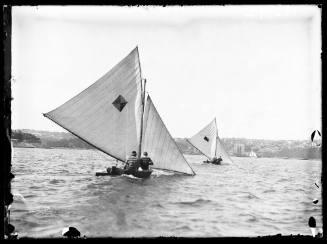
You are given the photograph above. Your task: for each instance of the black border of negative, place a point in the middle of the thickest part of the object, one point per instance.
(6, 150)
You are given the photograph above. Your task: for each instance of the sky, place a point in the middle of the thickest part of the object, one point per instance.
(257, 69)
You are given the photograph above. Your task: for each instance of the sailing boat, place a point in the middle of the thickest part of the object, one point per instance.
(114, 116)
(208, 143)
(252, 154)
(316, 138)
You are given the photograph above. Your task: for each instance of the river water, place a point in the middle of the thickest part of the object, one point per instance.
(56, 188)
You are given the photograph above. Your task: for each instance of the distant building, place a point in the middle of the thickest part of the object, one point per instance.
(239, 149)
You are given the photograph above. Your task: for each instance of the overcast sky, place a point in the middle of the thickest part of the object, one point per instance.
(256, 69)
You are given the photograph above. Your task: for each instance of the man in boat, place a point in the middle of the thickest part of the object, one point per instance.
(132, 164)
(216, 160)
(145, 161)
(219, 159)
(114, 170)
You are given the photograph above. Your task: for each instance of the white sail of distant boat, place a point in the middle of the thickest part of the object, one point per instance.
(252, 154)
(316, 138)
(109, 116)
(208, 142)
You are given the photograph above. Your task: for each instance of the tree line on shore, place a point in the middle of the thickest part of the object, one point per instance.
(263, 148)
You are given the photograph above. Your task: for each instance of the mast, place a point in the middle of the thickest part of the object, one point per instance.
(143, 102)
(141, 129)
(216, 137)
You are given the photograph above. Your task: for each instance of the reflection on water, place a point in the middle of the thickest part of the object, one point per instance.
(55, 188)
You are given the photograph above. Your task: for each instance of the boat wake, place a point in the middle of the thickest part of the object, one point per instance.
(132, 177)
(195, 203)
(158, 173)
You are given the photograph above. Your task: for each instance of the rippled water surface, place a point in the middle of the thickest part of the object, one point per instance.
(55, 188)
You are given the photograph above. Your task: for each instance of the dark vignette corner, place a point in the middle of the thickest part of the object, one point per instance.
(323, 109)
(7, 176)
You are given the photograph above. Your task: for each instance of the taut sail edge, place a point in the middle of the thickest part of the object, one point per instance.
(46, 115)
(107, 113)
(159, 143)
(170, 170)
(197, 149)
(115, 66)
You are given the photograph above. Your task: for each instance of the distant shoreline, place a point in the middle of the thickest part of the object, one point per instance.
(233, 146)
(75, 148)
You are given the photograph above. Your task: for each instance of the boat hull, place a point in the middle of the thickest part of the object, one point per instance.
(142, 174)
(114, 171)
(216, 162)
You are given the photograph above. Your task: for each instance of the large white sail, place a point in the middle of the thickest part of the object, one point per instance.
(208, 142)
(107, 114)
(160, 145)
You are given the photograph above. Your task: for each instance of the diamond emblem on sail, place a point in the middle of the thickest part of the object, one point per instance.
(206, 138)
(120, 103)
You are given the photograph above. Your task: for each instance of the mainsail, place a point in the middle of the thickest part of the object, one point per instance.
(107, 114)
(160, 145)
(208, 143)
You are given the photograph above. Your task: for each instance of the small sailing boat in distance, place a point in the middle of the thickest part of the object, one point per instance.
(112, 116)
(208, 143)
(252, 154)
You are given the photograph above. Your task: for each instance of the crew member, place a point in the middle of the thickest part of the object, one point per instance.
(214, 160)
(219, 159)
(132, 164)
(145, 161)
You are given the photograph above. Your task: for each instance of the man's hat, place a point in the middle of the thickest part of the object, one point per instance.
(134, 153)
(145, 154)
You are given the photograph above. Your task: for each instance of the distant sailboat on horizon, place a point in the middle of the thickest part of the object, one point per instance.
(252, 154)
(208, 143)
(114, 116)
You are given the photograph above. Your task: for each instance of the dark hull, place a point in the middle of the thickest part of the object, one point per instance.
(210, 162)
(143, 174)
(119, 171)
